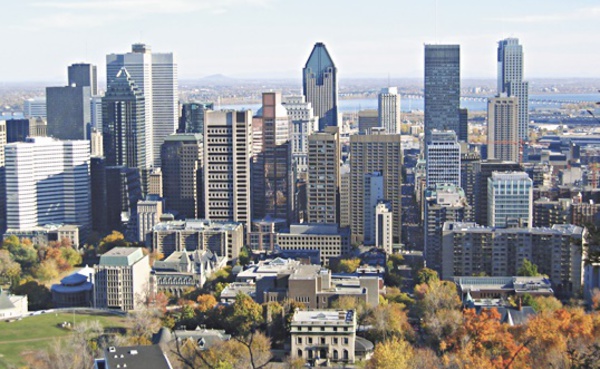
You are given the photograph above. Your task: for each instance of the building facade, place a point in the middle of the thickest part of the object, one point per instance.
(442, 158)
(503, 124)
(319, 86)
(323, 192)
(304, 123)
(510, 200)
(510, 81)
(388, 103)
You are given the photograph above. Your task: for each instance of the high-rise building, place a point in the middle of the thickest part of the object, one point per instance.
(377, 152)
(443, 158)
(96, 113)
(463, 125)
(155, 74)
(367, 119)
(192, 117)
(383, 227)
(84, 75)
(227, 155)
(443, 203)
(68, 112)
(389, 110)
(483, 171)
(468, 174)
(122, 279)
(319, 85)
(304, 123)
(48, 182)
(17, 130)
(503, 139)
(374, 193)
(510, 200)
(127, 139)
(181, 167)
(35, 107)
(323, 193)
(272, 169)
(442, 88)
(149, 212)
(345, 195)
(2, 177)
(510, 80)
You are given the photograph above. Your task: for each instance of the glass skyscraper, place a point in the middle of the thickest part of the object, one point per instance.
(319, 86)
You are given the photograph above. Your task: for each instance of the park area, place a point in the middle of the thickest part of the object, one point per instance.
(37, 332)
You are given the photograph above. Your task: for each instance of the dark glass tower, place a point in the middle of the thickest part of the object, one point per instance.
(84, 75)
(442, 88)
(192, 117)
(319, 86)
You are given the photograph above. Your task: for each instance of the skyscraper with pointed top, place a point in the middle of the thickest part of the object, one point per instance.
(319, 85)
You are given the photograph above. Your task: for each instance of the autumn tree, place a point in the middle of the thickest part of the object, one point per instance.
(246, 315)
(10, 270)
(394, 353)
(348, 265)
(112, 240)
(388, 320)
(206, 302)
(425, 275)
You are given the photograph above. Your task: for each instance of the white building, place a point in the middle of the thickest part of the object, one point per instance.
(122, 279)
(443, 158)
(389, 110)
(156, 75)
(47, 182)
(227, 155)
(304, 123)
(384, 227)
(149, 212)
(12, 306)
(35, 107)
(510, 199)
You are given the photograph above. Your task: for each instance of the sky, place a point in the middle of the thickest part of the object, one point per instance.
(273, 38)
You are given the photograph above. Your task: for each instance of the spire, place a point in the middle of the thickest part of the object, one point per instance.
(319, 60)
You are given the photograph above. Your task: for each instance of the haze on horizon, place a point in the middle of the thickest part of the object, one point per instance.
(272, 39)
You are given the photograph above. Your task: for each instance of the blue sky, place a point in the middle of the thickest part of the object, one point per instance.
(273, 38)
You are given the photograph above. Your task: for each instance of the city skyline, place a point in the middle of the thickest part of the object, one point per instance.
(360, 35)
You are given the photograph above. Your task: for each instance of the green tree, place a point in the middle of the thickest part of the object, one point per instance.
(349, 265)
(426, 275)
(528, 269)
(246, 315)
(244, 257)
(38, 295)
(71, 256)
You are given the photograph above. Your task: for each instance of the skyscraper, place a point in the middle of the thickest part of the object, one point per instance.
(2, 177)
(373, 194)
(443, 158)
(127, 140)
(483, 171)
(510, 200)
(323, 193)
(48, 182)
(503, 135)
(510, 80)
(272, 169)
(389, 110)
(463, 125)
(377, 152)
(304, 123)
(192, 117)
(181, 157)
(442, 88)
(83, 74)
(227, 155)
(155, 74)
(68, 112)
(319, 85)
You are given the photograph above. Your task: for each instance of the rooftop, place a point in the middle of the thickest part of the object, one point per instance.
(122, 256)
(136, 357)
(323, 316)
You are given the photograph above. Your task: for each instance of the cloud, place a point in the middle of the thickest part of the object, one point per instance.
(578, 14)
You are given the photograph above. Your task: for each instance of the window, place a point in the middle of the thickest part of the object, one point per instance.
(345, 340)
(310, 340)
(299, 340)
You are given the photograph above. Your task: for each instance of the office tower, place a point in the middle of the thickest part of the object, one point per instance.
(389, 110)
(510, 80)
(373, 194)
(68, 112)
(122, 279)
(345, 195)
(503, 140)
(323, 193)
(443, 158)
(227, 155)
(155, 74)
(463, 125)
(96, 113)
(377, 152)
(192, 117)
(470, 249)
(469, 162)
(510, 200)
(155, 184)
(17, 130)
(149, 212)
(47, 182)
(304, 123)
(442, 88)
(98, 194)
(384, 227)
(2, 177)
(367, 119)
(84, 75)
(181, 157)
(319, 86)
(35, 107)
(96, 143)
(124, 190)
(443, 203)
(127, 138)
(483, 171)
(272, 170)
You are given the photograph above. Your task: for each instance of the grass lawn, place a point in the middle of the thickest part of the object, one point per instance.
(37, 332)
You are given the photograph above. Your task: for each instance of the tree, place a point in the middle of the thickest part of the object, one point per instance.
(38, 295)
(528, 269)
(388, 320)
(425, 275)
(246, 316)
(143, 323)
(348, 265)
(71, 256)
(114, 239)
(47, 270)
(394, 353)
(244, 256)
(206, 302)
(9, 269)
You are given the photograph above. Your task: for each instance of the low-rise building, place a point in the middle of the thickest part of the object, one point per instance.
(12, 306)
(74, 290)
(502, 287)
(330, 239)
(41, 235)
(133, 357)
